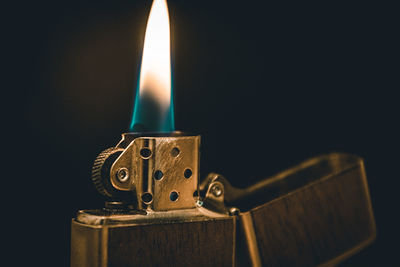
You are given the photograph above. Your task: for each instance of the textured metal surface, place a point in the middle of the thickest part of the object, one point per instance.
(176, 158)
(207, 239)
(135, 217)
(323, 223)
(102, 163)
(318, 212)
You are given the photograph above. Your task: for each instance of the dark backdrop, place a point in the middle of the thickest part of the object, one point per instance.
(267, 85)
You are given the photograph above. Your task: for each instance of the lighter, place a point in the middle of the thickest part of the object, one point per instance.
(318, 212)
(157, 213)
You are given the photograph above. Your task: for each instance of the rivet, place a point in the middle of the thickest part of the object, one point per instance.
(122, 174)
(216, 190)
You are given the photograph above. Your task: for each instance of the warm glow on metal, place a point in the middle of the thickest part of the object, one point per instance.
(153, 109)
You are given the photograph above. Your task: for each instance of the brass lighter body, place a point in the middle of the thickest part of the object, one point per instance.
(316, 213)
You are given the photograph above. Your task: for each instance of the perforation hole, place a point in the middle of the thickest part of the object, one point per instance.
(175, 152)
(145, 153)
(158, 175)
(187, 173)
(173, 196)
(147, 198)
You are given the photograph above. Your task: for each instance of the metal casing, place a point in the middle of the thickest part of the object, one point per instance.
(320, 214)
(153, 240)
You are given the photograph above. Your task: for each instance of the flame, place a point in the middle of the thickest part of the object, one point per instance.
(153, 110)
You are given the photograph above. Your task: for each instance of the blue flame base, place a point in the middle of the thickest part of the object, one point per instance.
(149, 117)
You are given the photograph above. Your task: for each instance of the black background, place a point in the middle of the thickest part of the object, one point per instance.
(266, 84)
